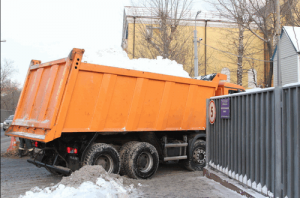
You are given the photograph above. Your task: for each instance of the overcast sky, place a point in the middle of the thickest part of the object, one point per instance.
(49, 30)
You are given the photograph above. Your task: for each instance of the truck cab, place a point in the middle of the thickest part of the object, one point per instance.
(226, 88)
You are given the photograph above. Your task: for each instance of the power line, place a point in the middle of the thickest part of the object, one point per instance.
(237, 55)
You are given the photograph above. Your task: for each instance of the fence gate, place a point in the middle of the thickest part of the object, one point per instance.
(255, 139)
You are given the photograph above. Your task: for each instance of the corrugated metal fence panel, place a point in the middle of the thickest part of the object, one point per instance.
(291, 141)
(240, 146)
(243, 147)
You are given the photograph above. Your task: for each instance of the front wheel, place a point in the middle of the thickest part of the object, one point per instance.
(198, 159)
(105, 156)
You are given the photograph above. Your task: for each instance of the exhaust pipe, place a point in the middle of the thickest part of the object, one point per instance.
(60, 169)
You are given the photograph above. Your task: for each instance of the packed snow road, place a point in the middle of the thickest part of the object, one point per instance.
(18, 177)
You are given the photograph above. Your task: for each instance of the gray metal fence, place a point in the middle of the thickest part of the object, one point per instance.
(259, 145)
(5, 114)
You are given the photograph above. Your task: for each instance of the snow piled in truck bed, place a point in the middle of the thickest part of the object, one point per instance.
(116, 57)
(89, 181)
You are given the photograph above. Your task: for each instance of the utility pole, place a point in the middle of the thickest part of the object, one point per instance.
(278, 30)
(205, 46)
(196, 49)
(278, 111)
(133, 47)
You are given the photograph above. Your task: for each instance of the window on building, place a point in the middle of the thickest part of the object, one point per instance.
(252, 78)
(126, 34)
(149, 31)
(226, 71)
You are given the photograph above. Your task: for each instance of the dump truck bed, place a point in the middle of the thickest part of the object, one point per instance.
(68, 95)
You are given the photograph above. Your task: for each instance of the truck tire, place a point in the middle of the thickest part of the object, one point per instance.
(123, 152)
(198, 159)
(104, 155)
(141, 161)
(151, 138)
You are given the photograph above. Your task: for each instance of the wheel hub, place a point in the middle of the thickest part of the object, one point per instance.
(199, 156)
(106, 162)
(144, 162)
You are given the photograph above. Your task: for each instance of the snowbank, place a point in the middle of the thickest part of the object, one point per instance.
(253, 90)
(89, 181)
(116, 57)
(291, 84)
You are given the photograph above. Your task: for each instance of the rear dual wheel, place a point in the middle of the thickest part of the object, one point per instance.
(124, 152)
(139, 160)
(104, 155)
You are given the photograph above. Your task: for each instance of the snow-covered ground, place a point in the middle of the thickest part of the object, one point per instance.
(116, 57)
(92, 182)
(89, 181)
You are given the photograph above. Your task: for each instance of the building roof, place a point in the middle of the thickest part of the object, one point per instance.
(293, 34)
(150, 13)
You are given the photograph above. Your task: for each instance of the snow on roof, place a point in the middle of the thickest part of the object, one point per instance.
(151, 12)
(294, 35)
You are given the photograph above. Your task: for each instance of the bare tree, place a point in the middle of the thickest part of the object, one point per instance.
(260, 21)
(235, 11)
(10, 90)
(7, 70)
(262, 14)
(164, 32)
(251, 49)
(290, 12)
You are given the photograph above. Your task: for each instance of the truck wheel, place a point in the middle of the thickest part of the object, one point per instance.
(198, 159)
(141, 161)
(105, 156)
(123, 152)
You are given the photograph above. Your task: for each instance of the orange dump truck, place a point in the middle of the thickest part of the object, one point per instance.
(128, 121)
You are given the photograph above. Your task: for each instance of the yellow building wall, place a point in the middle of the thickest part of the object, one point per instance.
(218, 38)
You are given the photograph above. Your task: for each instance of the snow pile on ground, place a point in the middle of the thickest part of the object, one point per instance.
(116, 57)
(89, 181)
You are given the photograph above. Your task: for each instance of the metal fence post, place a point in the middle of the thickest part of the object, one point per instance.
(207, 133)
(278, 157)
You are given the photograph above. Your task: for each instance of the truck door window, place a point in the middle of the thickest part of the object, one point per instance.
(232, 91)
